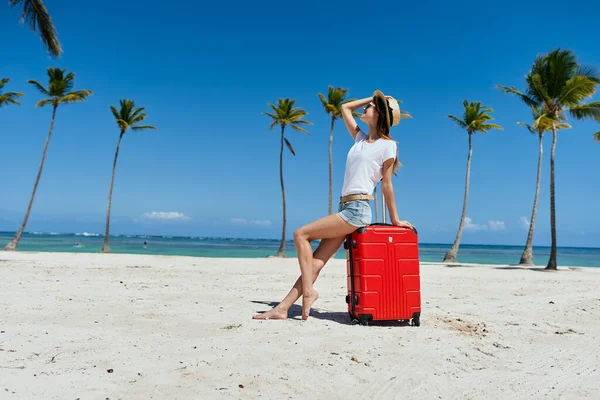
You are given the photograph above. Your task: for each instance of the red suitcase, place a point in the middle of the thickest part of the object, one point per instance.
(382, 263)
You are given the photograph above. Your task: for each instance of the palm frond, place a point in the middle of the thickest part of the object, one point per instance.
(597, 136)
(8, 97)
(299, 129)
(286, 114)
(115, 112)
(590, 72)
(576, 90)
(60, 83)
(301, 121)
(483, 128)
(559, 66)
(123, 125)
(475, 118)
(36, 15)
(289, 146)
(562, 126)
(527, 126)
(458, 121)
(142, 127)
(526, 99)
(323, 99)
(333, 103)
(583, 111)
(138, 119)
(128, 116)
(6, 100)
(74, 97)
(136, 112)
(277, 110)
(271, 115)
(537, 90)
(39, 87)
(44, 102)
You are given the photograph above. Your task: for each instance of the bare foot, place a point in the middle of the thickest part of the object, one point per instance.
(274, 313)
(307, 301)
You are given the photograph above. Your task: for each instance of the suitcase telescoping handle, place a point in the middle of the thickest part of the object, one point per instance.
(383, 213)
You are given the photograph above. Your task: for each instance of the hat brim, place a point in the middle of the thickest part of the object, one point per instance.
(382, 105)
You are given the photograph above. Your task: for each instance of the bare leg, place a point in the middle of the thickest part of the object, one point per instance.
(322, 254)
(331, 226)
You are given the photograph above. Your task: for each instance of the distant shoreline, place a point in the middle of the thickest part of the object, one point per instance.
(7, 235)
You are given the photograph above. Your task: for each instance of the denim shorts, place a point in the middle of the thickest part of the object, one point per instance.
(356, 212)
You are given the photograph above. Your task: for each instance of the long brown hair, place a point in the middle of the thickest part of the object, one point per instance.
(384, 132)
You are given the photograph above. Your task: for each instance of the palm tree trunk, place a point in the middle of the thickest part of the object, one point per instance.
(280, 251)
(12, 245)
(552, 260)
(527, 256)
(450, 256)
(105, 248)
(331, 165)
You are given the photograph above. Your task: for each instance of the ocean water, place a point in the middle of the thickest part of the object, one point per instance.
(258, 248)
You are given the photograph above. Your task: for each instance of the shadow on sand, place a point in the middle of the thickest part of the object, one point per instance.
(537, 269)
(513, 267)
(343, 318)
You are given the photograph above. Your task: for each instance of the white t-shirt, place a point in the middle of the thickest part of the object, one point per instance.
(364, 164)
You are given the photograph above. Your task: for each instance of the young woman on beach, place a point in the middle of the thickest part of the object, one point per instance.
(371, 159)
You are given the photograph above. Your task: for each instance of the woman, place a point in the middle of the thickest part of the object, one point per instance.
(371, 159)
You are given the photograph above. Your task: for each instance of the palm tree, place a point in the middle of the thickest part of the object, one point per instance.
(475, 119)
(127, 117)
(597, 136)
(36, 15)
(557, 83)
(58, 92)
(8, 97)
(285, 114)
(540, 125)
(333, 107)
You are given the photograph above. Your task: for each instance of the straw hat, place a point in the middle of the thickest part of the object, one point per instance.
(392, 116)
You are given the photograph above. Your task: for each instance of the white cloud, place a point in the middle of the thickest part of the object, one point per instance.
(496, 225)
(524, 222)
(470, 226)
(492, 225)
(165, 216)
(243, 221)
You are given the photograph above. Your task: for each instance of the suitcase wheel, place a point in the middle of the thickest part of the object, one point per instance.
(354, 321)
(416, 319)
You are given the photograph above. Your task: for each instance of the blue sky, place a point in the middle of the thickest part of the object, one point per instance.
(205, 72)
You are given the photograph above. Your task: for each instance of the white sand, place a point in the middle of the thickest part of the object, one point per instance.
(181, 328)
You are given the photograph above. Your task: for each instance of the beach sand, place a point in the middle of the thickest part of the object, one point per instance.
(93, 326)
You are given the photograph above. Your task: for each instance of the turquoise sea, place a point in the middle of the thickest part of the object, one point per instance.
(259, 248)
